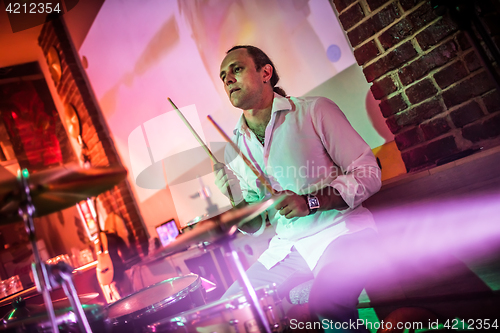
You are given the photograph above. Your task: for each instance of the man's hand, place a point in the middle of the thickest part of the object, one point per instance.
(224, 179)
(293, 205)
(253, 225)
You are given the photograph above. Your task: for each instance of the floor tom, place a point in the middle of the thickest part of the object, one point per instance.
(233, 315)
(164, 299)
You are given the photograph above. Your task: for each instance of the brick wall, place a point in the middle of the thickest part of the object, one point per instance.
(74, 88)
(30, 119)
(436, 96)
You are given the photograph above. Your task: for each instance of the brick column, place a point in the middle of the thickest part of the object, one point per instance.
(74, 88)
(434, 93)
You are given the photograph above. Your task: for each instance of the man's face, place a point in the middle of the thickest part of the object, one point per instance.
(242, 82)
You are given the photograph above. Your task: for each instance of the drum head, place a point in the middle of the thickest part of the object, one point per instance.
(154, 297)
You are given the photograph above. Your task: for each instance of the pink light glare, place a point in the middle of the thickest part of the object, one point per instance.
(431, 239)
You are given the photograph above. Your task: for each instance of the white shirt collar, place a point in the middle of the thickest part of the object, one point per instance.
(280, 103)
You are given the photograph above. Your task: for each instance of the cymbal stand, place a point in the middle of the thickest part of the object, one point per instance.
(248, 289)
(61, 274)
(48, 276)
(40, 274)
(204, 193)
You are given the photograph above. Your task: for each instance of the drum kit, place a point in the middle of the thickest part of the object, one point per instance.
(173, 305)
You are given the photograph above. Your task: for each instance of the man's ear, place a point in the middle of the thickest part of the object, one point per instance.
(267, 72)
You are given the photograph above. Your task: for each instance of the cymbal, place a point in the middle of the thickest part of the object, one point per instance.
(56, 188)
(191, 223)
(65, 303)
(216, 228)
(38, 321)
(22, 310)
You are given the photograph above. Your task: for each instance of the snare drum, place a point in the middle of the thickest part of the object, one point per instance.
(65, 318)
(164, 299)
(232, 315)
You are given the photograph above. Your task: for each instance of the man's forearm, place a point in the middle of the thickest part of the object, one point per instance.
(329, 198)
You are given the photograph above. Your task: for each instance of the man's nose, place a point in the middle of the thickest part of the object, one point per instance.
(229, 79)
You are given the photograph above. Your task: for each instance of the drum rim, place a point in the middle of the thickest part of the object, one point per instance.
(158, 306)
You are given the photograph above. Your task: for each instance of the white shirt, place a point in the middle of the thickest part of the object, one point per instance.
(309, 144)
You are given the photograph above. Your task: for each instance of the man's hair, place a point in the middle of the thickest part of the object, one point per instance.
(261, 59)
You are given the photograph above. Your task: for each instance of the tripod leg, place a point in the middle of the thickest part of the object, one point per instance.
(61, 273)
(248, 289)
(70, 291)
(42, 281)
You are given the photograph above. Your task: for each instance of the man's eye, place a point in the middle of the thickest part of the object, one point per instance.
(237, 69)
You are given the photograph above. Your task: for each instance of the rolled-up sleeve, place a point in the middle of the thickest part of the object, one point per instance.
(360, 175)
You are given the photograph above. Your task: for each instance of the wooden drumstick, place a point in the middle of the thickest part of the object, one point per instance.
(200, 141)
(246, 160)
(203, 145)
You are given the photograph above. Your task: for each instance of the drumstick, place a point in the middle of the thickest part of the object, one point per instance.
(203, 145)
(239, 152)
(212, 156)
